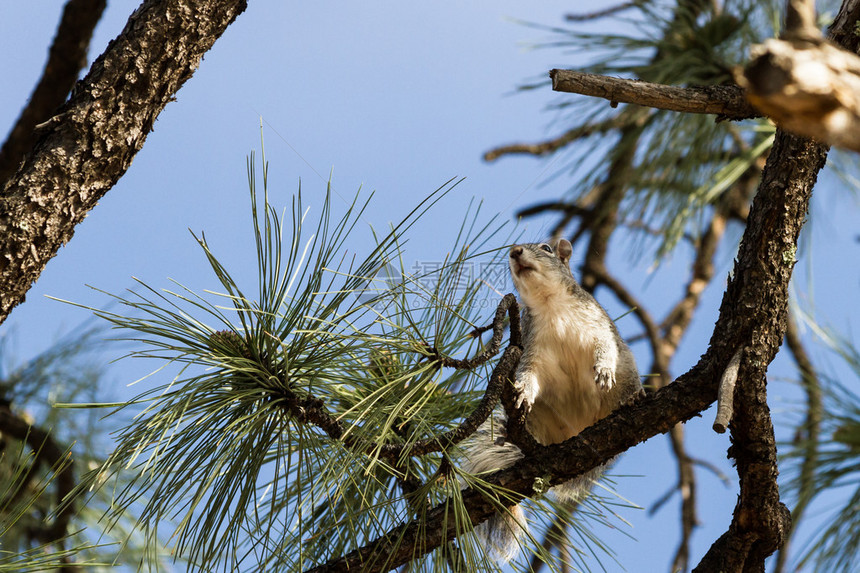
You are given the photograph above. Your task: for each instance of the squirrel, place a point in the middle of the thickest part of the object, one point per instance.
(575, 369)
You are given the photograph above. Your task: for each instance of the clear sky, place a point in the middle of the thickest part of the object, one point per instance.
(396, 97)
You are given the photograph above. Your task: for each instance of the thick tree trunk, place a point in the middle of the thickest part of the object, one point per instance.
(84, 149)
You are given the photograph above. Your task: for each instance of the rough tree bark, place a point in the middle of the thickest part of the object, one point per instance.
(727, 102)
(89, 144)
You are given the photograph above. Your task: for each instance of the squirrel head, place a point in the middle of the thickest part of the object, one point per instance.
(538, 269)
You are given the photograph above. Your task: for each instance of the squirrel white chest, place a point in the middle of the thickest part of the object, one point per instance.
(561, 349)
(563, 333)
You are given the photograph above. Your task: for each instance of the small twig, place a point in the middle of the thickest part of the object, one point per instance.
(726, 102)
(687, 489)
(661, 501)
(479, 330)
(726, 396)
(504, 371)
(712, 468)
(542, 208)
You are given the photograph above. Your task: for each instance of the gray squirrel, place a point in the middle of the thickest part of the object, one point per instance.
(575, 370)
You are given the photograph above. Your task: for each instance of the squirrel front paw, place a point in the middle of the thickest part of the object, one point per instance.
(604, 377)
(526, 387)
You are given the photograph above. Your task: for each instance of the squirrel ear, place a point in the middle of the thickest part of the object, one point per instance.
(564, 249)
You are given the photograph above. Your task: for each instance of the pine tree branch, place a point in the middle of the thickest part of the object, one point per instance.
(726, 102)
(604, 215)
(807, 87)
(807, 84)
(761, 523)
(594, 446)
(67, 56)
(85, 148)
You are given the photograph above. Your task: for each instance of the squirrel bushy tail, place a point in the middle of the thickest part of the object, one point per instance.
(488, 450)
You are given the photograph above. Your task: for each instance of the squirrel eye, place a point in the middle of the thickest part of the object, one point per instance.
(546, 248)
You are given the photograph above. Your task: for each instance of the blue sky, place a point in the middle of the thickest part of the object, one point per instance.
(397, 98)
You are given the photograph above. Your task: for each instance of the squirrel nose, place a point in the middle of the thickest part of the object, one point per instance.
(516, 251)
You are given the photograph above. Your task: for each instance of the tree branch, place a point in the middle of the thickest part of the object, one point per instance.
(67, 56)
(597, 444)
(508, 305)
(618, 121)
(564, 207)
(727, 102)
(90, 143)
